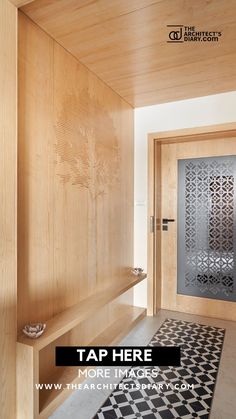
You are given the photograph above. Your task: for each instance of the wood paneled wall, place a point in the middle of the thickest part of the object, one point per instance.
(8, 145)
(75, 206)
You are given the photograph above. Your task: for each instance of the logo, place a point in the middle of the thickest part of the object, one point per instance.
(181, 33)
(176, 33)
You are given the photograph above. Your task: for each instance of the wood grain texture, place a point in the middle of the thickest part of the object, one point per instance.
(8, 163)
(27, 377)
(125, 44)
(75, 207)
(75, 180)
(151, 260)
(80, 312)
(170, 299)
(205, 132)
(20, 3)
(154, 232)
(158, 232)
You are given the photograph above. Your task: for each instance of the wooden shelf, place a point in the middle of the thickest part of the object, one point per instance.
(76, 314)
(70, 318)
(50, 399)
(31, 354)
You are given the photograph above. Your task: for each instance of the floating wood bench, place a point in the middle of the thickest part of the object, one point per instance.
(41, 403)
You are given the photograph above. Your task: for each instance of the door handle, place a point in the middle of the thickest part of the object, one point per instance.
(167, 220)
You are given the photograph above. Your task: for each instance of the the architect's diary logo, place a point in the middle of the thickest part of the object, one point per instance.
(181, 33)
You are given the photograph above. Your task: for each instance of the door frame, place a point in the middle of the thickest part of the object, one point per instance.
(155, 140)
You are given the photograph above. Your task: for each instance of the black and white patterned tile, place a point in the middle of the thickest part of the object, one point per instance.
(172, 392)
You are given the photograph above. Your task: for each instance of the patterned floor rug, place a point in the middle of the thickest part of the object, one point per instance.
(175, 392)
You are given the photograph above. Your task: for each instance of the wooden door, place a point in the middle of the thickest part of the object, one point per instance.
(170, 155)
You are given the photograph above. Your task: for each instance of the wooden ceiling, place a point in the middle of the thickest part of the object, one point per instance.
(125, 43)
(20, 3)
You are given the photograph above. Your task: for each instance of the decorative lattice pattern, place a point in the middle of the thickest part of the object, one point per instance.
(209, 225)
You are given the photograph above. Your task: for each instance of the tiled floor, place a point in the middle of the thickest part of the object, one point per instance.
(160, 394)
(84, 404)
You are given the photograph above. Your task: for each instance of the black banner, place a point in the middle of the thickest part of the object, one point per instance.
(117, 356)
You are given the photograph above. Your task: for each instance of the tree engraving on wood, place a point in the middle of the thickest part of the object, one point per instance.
(85, 158)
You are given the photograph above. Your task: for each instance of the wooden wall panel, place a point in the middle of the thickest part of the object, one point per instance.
(8, 145)
(75, 179)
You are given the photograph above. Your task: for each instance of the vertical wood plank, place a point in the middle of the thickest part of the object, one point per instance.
(27, 376)
(151, 281)
(158, 226)
(154, 237)
(8, 145)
